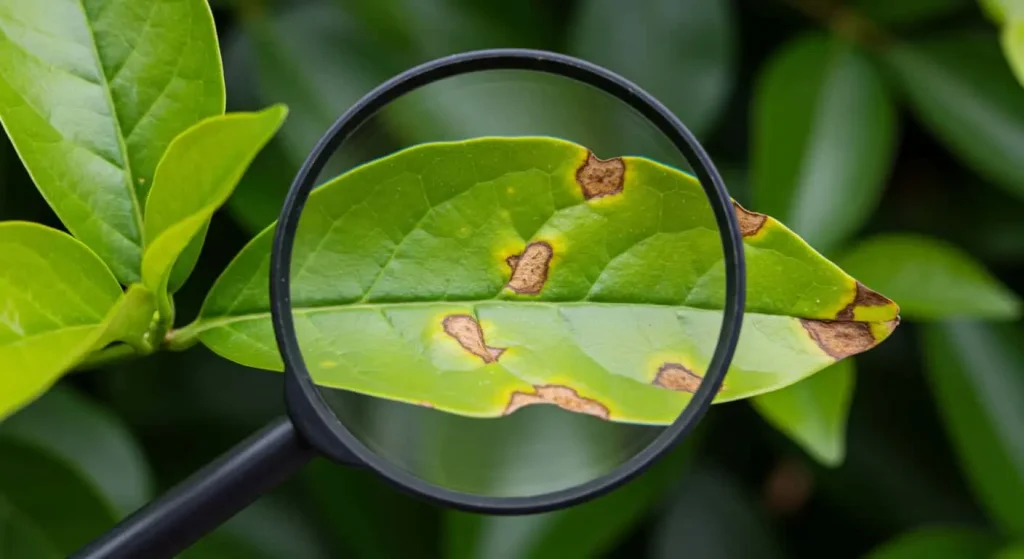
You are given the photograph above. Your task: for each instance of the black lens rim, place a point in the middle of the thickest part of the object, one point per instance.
(311, 414)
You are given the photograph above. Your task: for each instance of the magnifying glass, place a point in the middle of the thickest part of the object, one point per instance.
(500, 314)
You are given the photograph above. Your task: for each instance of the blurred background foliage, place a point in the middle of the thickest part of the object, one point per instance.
(888, 133)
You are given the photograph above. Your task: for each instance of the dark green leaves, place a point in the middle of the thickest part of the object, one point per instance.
(90, 114)
(813, 412)
(1010, 15)
(939, 543)
(930, 278)
(681, 51)
(977, 374)
(58, 302)
(195, 177)
(824, 134)
(960, 87)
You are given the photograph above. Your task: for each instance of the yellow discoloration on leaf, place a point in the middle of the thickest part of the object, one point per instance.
(751, 223)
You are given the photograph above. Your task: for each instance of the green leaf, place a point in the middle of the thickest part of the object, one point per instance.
(1012, 552)
(91, 113)
(960, 87)
(814, 412)
(908, 11)
(58, 302)
(713, 518)
(977, 374)
(258, 199)
(418, 276)
(681, 51)
(585, 530)
(267, 529)
(22, 538)
(87, 435)
(53, 496)
(939, 543)
(1001, 11)
(1013, 46)
(824, 139)
(930, 279)
(194, 179)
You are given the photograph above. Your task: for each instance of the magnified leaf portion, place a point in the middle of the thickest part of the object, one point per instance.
(482, 276)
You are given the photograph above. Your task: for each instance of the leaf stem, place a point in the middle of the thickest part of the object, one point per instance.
(183, 338)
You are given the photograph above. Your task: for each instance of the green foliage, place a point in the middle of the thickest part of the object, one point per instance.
(968, 364)
(92, 113)
(862, 118)
(824, 131)
(931, 279)
(814, 412)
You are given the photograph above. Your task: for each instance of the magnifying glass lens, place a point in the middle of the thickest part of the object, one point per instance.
(506, 284)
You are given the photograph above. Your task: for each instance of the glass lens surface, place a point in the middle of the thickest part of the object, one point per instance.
(507, 283)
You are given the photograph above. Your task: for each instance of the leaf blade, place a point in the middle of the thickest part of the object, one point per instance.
(814, 412)
(175, 216)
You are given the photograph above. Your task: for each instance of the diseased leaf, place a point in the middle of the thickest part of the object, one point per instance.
(930, 278)
(960, 87)
(814, 412)
(939, 543)
(824, 139)
(81, 432)
(977, 375)
(58, 302)
(91, 113)
(194, 179)
(504, 267)
(681, 51)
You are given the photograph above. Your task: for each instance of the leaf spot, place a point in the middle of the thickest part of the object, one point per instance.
(466, 330)
(674, 376)
(750, 222)
(600, 177)
(863, 297)
(530, 269)
(840, 339)
(561, 396)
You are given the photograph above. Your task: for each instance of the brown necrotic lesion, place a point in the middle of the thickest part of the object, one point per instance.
(601, 177)
(530, 269)
(558, 395)
(863, 297)
(750, 222)
(466, 330)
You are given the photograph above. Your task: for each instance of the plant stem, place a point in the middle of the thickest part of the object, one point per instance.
(107, 356)
(183, 338)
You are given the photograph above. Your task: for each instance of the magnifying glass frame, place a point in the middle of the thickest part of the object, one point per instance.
(213, 495)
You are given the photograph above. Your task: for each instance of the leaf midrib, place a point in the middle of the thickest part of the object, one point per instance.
(105, 84)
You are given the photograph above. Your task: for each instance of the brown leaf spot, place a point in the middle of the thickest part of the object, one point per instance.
(840, 339)
(677, 377)
(561, 396)
(862, 297)
(530, 269)
(600, 177)
(466, 330)
(750, 222)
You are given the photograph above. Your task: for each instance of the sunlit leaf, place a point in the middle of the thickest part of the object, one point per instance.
(824, 139)
(491, 264)
(197, 175)
(939, 543)
(681, 51)
(930, 279)
(814, 412)
(961, 88)
(58, 302)
(977, 374)
(91, 95)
